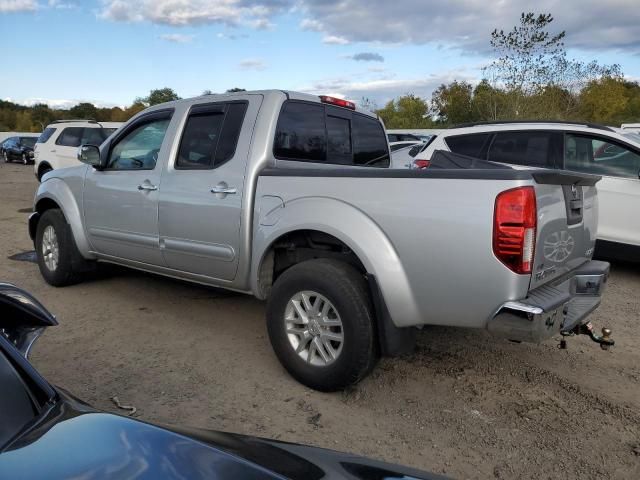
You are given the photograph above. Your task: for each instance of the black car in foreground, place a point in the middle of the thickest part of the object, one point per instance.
(19, 149)
(46, 433)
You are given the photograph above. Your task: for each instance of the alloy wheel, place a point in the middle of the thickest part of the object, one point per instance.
(314, 328)
(50, 249)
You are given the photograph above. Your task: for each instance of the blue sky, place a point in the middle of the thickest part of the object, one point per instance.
(111, 51)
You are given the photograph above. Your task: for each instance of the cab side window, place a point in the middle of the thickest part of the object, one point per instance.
(600, 156)
(139, 148)
(317, 133)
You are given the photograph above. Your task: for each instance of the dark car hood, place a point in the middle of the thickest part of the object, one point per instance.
(72, 440)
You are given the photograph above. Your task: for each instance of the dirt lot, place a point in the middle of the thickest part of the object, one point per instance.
(463, 404)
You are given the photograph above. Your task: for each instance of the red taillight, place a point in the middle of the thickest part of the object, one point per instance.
(338, 102)
(514, 228)
(421, 163)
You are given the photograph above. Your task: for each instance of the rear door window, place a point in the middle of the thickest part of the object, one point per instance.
(470, 145)
(522, 148)
(210, 136)
(70, 137)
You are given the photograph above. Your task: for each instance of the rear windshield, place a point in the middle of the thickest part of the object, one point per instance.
(313, 132)
(46, 135)
(28, 141)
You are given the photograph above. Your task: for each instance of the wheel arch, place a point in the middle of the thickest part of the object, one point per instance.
(42, 166)
(349, 226)
(54, 193)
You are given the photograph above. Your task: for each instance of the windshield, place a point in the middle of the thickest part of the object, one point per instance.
(28, 141)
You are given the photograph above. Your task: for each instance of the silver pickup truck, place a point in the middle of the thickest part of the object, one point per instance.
(287, 197)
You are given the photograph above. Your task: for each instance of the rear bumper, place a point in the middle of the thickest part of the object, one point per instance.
(550, 309)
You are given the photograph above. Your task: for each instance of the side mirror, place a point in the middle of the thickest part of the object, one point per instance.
(22, 317)
(90, 154)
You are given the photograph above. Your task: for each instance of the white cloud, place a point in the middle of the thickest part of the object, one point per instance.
(335, 40)
(60, 5)
(177, 37)
(254, 14)
(386, 88)
(231, 36)
(252, 64)
(57, 103)
(311, 25)
(590, 24)
(13, 6)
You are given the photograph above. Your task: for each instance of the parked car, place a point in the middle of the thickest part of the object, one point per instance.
(585, 148)
(404, 157)
(45, 432)
(288, 197)
(18, 149)
(57, 146)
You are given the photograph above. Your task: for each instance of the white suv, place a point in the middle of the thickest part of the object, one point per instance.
(612, 153)
(58, 144)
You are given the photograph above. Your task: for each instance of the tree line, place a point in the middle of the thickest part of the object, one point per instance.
(22, 118)
(531, 78)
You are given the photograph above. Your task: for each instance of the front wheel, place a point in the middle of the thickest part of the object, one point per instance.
(58, 257)
(25, 160)
(6, 156)
(321, 325)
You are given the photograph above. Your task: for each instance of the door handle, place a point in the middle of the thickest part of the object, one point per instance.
(148, 187)
(224, 190)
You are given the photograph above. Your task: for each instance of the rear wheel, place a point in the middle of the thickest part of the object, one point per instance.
(25, 160)
(321, 324)
(59, 261)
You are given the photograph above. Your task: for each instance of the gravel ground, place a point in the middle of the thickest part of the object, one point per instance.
(463, 404)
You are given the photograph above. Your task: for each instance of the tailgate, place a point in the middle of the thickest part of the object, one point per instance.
(567, 223)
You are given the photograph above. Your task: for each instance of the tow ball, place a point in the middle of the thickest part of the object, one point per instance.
(605, 341)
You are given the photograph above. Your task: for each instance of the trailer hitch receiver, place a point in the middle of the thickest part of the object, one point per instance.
(605, 341)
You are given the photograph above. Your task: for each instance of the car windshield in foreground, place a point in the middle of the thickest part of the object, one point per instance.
(28, 141)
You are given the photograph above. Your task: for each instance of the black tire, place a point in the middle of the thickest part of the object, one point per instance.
(6, 157)
(347, 290)
(25, 160)
(70, 264)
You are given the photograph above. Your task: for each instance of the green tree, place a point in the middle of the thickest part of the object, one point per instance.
(157, 96)
(42, 115)
(84, 110)
(531, 60)
(452, 104)
(604, 101)
(408, 111)
(489, 103)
